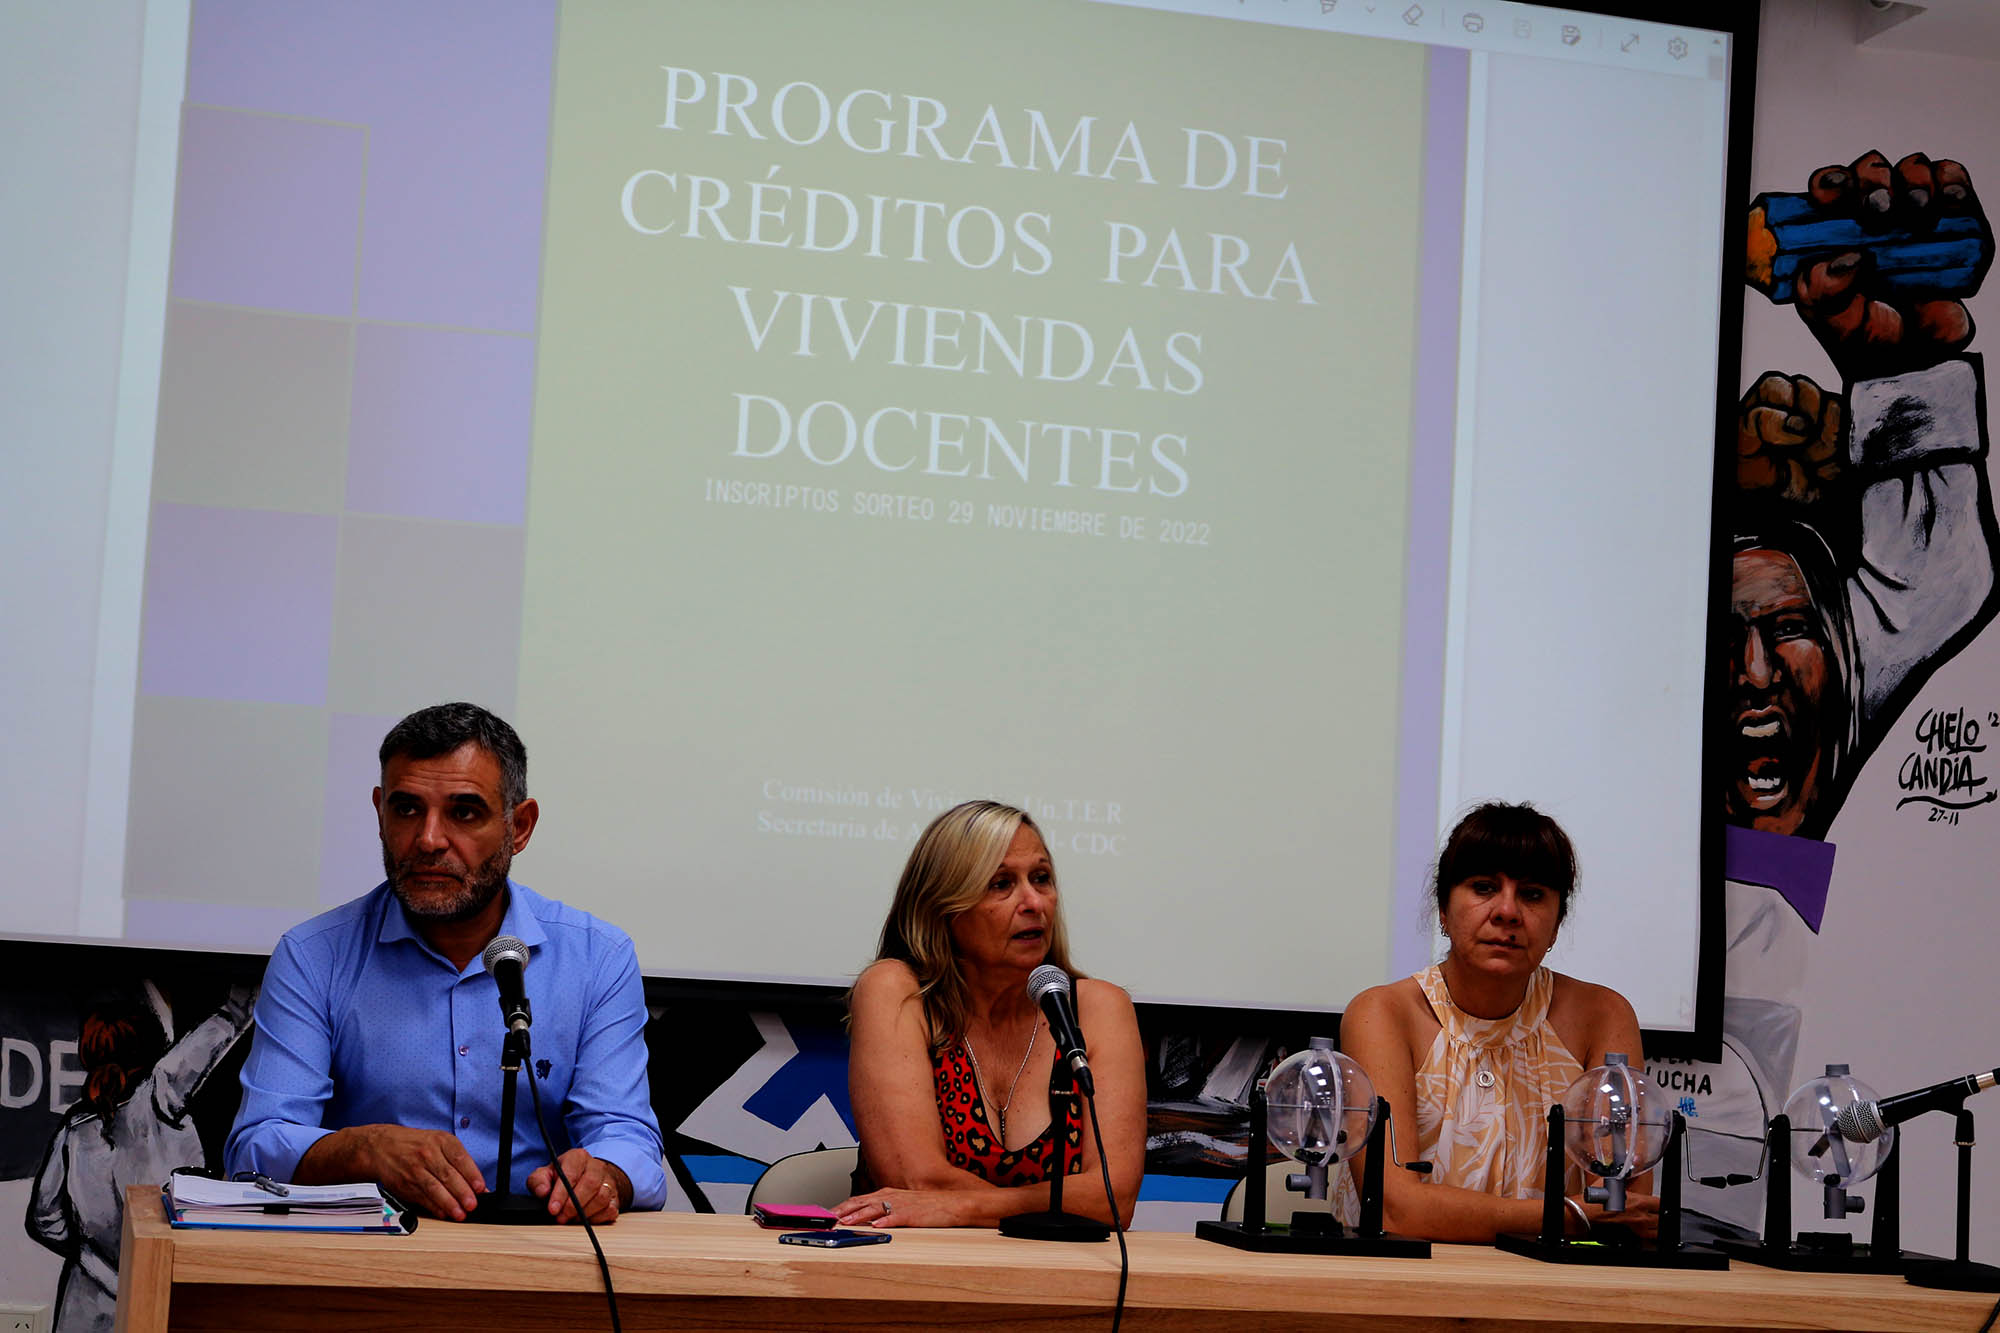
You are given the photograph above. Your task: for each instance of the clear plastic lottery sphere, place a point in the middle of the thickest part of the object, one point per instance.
(1320, 1106)
(1608, 1126)
(1818, 1151)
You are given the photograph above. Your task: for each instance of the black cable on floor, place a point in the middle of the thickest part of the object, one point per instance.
(555, 1160)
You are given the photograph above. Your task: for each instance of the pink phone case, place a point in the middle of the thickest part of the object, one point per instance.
(792, 1216)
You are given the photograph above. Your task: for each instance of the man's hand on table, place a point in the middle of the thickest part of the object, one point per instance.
(602, 1188)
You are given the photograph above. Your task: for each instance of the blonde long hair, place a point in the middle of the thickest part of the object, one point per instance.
(948, 870)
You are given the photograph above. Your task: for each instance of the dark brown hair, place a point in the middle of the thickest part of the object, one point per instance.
(1514, 840)
(442, 728)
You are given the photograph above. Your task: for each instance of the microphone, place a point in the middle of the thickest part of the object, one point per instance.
(1863, 1122)
(1048, 986)
(506, 958)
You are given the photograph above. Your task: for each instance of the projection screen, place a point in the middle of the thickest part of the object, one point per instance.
(1241, 434)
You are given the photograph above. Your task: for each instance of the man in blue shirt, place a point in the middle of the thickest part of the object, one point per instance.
(378, 1037)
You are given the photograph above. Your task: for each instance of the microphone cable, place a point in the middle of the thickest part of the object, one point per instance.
(1117, 1223)
(555, 1161)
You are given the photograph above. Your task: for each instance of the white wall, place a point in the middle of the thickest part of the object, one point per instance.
(1900, 983)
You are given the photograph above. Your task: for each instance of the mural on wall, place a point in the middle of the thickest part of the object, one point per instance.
(133, 1124)
(1863, 521)
(1863, 559)
(735, 1090)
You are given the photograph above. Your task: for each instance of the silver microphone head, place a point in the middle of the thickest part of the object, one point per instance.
(505, 948)
(1048, 979)
(1860, 1122)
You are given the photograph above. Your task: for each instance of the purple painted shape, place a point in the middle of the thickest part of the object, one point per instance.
(1433, 426)
(268, 213)
(350, 848)
(456, 95)
(440, 424)
(239, 604)
(1800, 869)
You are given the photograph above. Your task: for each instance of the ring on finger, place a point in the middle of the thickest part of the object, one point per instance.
(886, 1209)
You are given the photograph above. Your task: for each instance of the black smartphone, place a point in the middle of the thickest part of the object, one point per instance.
(837, 1239)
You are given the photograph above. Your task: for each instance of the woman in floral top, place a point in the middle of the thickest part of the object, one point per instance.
(1472, 1051)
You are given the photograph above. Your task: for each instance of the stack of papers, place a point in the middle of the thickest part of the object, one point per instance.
(199, 1201)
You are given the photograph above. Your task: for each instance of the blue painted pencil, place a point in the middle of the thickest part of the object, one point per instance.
(1945, 258)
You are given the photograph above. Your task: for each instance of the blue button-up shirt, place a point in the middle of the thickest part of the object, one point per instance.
(361, 1022)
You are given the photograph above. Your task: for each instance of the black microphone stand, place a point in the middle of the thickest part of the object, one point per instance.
(1958, 1273)
(1055, 1224)
(500, 1207)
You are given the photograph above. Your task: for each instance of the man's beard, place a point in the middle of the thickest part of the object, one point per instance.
(474, 892)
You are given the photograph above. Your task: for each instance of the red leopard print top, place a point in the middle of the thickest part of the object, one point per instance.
(969, 1142)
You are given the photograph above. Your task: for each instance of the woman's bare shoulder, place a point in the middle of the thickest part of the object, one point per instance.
(885, 981)
(1395, 1003)
(1599, 1010)
(1096, 993)
(1104, 1009)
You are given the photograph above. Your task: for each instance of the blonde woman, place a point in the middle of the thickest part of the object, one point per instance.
(950, 1062)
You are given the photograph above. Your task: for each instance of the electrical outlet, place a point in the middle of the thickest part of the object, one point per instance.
(17, 1318)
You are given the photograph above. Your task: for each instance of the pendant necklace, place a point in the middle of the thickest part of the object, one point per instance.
(979, 1076)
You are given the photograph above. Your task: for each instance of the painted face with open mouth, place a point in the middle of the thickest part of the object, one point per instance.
(1778, 726)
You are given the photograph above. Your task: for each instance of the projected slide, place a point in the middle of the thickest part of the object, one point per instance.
(799, 418)
(925, 426)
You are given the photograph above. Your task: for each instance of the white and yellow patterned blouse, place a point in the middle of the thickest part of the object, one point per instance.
(1484, 1091)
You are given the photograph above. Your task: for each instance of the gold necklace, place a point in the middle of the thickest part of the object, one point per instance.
(979, 1077)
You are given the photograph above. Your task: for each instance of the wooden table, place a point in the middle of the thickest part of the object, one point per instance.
(693, 1271)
